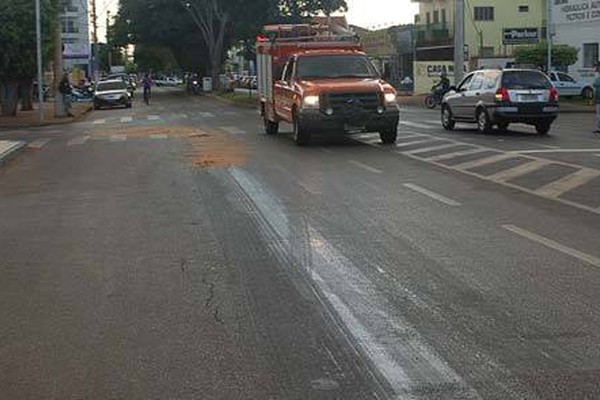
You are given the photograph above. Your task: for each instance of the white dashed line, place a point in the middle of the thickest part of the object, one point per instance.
(206, 115)
(38, 144)
(554, 245)
(153, 117)
(233, 130)
(365, 167)
(433, 195)
(118, 138)
(126, 119)
(78, 140)
(99, 121)
(159, 136)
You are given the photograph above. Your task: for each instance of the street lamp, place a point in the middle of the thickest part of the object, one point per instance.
(38, 34)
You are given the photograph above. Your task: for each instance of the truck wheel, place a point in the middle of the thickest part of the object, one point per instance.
(389, 134)
(271, 128)
(301, 135)
(542, 128)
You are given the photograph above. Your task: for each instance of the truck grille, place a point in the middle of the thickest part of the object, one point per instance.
(352, 102)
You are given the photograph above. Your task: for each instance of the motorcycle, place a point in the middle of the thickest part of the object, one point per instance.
(195, 87)
(436, 96)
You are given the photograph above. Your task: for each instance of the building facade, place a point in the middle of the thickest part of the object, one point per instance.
(493, 29)
(75, 34)
(577, 23)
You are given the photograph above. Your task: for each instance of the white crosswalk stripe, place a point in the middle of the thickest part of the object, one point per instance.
(126, 119)
(153, 117)
(99, 121)
(78, 140)
(417, 125)
(159, 136)
(118, 138)
(39, 143)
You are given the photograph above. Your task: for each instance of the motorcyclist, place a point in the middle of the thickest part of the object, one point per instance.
(444, 81)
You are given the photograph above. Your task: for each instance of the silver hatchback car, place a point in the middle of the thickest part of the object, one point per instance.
(500, 97)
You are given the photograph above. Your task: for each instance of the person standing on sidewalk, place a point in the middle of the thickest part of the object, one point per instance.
(597, 91)
(64, 87)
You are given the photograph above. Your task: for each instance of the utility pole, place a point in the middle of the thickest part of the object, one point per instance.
(59, 106)
(459, 40)
(549, 34)
(108, 45)
(40, 76)
(94, 41)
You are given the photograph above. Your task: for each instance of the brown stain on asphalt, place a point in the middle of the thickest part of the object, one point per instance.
(207, 148)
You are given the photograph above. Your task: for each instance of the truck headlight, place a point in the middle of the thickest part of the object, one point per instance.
(310, 101)
(390, 98)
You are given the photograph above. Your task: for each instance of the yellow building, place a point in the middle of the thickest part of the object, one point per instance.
(493, 29)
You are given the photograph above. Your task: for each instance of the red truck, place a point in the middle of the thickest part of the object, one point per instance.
(321, 82)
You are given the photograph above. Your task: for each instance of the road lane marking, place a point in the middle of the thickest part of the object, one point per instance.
(233, 130)
(512, 173)
(38, 144)
(448, 156)
(569, 182)
(365, 167)
(548, 146)
(78, 140)
(206, 114)
(118, 138)
(126, 119)
(159, 136)
(99, 121)
(557, 150)
(427, 149)
(595, 261)
(406, 144)
(417, 125)
(153, 117)
(484, 161)
(433, 195)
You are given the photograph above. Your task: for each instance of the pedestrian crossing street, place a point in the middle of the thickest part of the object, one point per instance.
(564, 182)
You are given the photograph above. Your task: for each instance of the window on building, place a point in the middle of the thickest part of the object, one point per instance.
(417, 19)
(523, 9)
(428, 18)
(483, 13)
(68, 5)
(436, 17)
(69, 25)
(443, 15)
(590, 55)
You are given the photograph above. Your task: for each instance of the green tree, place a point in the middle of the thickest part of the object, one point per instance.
(18, 51)
(562, 55)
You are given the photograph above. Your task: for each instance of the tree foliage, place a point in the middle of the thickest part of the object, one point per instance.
(562, 55)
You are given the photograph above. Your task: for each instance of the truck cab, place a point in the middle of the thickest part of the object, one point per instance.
(322, 87)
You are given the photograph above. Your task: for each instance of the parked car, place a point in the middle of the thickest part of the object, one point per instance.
(567, 86)
(112, 93)
(502, 97)
(167, 81)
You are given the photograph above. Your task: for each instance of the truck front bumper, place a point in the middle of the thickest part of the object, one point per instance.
(317, 121)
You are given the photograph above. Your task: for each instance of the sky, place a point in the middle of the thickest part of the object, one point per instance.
(370, 14)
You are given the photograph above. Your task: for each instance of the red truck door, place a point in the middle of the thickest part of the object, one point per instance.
(284, 92)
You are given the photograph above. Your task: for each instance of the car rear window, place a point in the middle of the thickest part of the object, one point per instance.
(110, 86)
(516, 80)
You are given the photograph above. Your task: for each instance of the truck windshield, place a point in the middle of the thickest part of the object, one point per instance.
(335, 66)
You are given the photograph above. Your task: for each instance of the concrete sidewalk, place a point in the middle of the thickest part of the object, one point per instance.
(25, 119)
(9, 148)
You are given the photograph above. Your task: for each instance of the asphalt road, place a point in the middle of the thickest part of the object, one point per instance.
(174, 251)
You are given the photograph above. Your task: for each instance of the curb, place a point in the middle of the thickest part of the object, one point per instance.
(14, 148)
(60, 122)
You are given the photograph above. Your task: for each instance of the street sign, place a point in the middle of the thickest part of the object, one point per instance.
(521, 35)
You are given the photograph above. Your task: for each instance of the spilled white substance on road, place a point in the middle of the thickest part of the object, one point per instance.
(394, 347)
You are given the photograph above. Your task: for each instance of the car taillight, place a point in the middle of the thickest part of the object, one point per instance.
(553, 94)
(502, 95)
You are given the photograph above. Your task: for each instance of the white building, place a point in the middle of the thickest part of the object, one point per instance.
(577, 23)
(75, 34)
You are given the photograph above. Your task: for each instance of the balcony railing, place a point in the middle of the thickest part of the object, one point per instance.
(433, 35)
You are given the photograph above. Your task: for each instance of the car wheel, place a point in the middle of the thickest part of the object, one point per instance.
(503, 126)
(542, 128)
(587, 93)
(271, 128)
(389, 134)
(447, 121)
(301, 135)
(483, 121)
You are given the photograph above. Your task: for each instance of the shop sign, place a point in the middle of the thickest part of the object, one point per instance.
(576, 11)
(521, 35)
